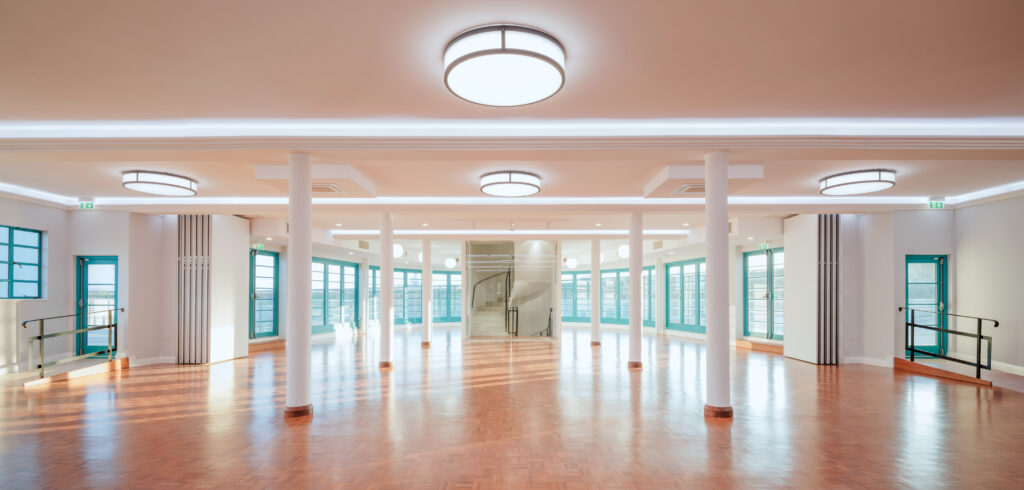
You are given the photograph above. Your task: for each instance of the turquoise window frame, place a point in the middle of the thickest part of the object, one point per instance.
(81, 302)
(682, 325)
(345, 268)
(942, 339)
(453, 305)
(252, 294)
(647, 277)
(621, 315)
(8, 264)
(402, 311)
(574, 314)
(770, 334)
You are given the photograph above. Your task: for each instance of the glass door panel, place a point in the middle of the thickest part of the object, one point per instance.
(763, 293)
(583, 296)
(263, 294)
(926, 294)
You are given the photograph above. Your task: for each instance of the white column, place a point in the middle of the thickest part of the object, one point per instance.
(428, 294)
(299, 294)
(636, 267)
(716, 209)
(387, 289)
(595, 291)
(659, 295)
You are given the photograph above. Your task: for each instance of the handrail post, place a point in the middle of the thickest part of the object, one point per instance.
(912, 324)
(41, 354)
(110, 325)
(978, 368)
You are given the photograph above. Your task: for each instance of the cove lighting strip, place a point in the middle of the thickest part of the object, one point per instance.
(422, 232)
(985, 193)
(992, 127)
(496, 201)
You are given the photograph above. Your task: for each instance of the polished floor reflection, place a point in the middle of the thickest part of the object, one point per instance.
(511, 415)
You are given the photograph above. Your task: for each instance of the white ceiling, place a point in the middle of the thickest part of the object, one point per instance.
(166, 59)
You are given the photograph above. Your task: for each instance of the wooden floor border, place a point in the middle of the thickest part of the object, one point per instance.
(106, 367)
(759, 346)
(265, 346)
(901, 364)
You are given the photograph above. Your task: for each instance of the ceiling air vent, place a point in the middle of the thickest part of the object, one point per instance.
(364, 245)
(327, 189)
(689, 189)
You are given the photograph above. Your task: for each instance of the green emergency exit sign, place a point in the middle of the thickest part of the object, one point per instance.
(259, 247)
(936, 204)
(86, 205)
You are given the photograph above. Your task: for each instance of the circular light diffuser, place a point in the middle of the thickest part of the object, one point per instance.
(623, 251)
(504, 65)
(571, 263)
(510, 183)
(159, 183)
(397, 251)
(451, 262)
(420, 257)
(857, 182)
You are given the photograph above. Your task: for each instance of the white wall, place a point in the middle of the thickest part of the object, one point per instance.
(801, 287)
(147, 340)
(990, 278)
(58, 291)
(919, 232)
(877, 289)
(851, 294)
(229, 287)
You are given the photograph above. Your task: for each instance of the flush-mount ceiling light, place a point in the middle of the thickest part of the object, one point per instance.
(397, 250)
(571, 263)
(419, 257)
(451, 262)
(510, 183)
(159, 183)
(623, 251)
(857, 182)
(504, 65)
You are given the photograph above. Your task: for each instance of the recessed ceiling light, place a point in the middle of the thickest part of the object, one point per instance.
(597, 225)
(750, 238)
(686, 224)
(337, 224)
(351, 253)
(504, 65)
(857, 182)
(510, 183)
(270, 238)
(671, 253)
(159, 183)
(424, 225)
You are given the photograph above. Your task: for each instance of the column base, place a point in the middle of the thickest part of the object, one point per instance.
(595, 343)
(291, 412)
(425, 345)
(717, 412)
(385, 364)
(635, 365)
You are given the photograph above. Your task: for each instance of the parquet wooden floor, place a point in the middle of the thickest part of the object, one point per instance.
(501, 415)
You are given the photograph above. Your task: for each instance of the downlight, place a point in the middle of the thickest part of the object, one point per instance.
(504, 65)
(159, 183)
(857, 182)
(510, 183)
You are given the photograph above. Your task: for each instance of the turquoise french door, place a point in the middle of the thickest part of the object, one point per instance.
(335, 294)
(615, 296)
(263, 272)
(647, 295)
(96, 293)
(763, 293)
(576, 296)
(447, 296)
(686, 307)
(926, 293)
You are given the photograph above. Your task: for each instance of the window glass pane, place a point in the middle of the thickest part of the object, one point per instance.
(645, 294)
(399, 296)
(264, 260)
(414, 296)
(918, 272)
(3, 290)
(318, 314)
(5, 234)
(609, 297)
(690, 294)
(675, 295)
(4, 251)
(333, 293)
(29, 238)
(568, 296)
(702, 294)
(26, 272)
(455, 305)
(778, 293)
(583, 296)
(757, 291)
(3, 270)
(24, 289)
(439, 294)
(623, 295)
(349, 296)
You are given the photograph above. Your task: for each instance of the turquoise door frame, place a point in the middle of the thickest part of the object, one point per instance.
(259, 304)
(772, 331)
(94, 292)
(699, 323)
(925, 288)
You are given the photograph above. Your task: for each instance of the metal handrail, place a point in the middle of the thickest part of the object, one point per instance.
(911, 347)
(111, 328)
(472, 298)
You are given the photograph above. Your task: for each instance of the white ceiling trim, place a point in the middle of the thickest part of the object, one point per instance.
(320, 171)
(382, 134)
(735, 171)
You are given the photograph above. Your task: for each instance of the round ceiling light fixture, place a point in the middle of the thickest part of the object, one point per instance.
(623, 251)
(420, 257)
(159, 183)
(451, 262)
(504, 65)
(397, 251)
(857, 182)
(571, 263)
(510, 183)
